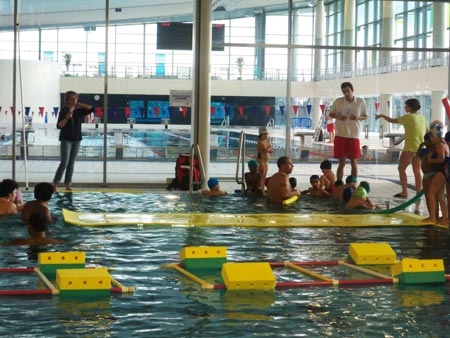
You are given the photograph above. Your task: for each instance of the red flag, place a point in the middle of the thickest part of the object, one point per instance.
(322, 108)
(212, 110)
(127, 112)
(295, 107)
(184, 111)
(267, 110)
(377, 106)
(241, 110)
(98, 111)
(156, 111)
(41, 111)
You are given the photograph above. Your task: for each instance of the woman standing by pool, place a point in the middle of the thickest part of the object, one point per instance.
(69, 122)
(264, 149)
(415, 127)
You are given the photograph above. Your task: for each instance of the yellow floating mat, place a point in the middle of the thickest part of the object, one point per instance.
(241, 220)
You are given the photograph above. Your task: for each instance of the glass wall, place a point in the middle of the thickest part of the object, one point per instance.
(249, 74)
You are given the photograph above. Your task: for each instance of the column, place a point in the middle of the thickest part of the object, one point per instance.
(387, 32)
(386, 109)
(439, 13)
(437, 108)
(349, 33)
(319, 39)
(260, 37)
(201, 86)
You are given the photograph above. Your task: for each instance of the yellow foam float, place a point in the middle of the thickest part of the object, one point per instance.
(241, 220)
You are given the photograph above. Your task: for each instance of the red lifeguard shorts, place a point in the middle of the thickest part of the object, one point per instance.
(346, 147)
(330, 127)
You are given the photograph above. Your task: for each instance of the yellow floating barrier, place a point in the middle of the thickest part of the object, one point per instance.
(241, 220)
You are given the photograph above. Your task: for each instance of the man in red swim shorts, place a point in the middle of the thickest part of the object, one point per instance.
(348, 111)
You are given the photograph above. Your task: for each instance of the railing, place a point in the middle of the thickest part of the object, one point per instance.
(195, 151)
(241, 160)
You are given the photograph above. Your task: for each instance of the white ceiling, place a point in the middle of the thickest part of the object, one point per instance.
(50, 13)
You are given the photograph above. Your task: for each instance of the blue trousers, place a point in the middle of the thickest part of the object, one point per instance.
(69, 153)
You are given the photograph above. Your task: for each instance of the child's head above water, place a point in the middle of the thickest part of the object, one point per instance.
(360, 193)
(43, 191)
(314, 178)
(212, 183)
(338, 183)
(325, 165)
(253, 164)
(365, 185)
(350, 179)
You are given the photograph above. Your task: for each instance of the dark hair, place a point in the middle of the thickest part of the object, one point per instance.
(7, 187)
(427, 137)
(365, 185)
(346, 85)
(414, 104)
(282, 160)
(68, 94)
(43, 191)
(325, 165)
(350, 179)
(314, 177)
(338, 183)
(347, 194)
(38, 222)
(447, 136)
(293, 182)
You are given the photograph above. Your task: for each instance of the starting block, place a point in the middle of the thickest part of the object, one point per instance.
(95, 281)
(203, 257)
(49, 262)
(371, 253)
(246, 276)
(417, 271)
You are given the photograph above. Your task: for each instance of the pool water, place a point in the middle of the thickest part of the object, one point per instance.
(166, 304)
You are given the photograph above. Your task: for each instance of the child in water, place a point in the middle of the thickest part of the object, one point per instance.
(359, 199)
(264, 149)
(7, 197)
(338, 192)
(42, 193)
(316, 189)
(214, 188)
(253, 180)
(328, 178)
(37, 226)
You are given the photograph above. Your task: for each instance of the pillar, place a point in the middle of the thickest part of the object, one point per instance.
(386, 109)
(260, 37)
(387, 32)
(201, 87)
(439, 13)
(319, 38)
(437, 108)
(349, 33)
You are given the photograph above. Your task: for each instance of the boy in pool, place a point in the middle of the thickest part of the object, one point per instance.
(338, 192)
(36, 228)
(359, 199)
(316, 189)
(214, 188)
(253, 180)
(328, 178)
(7, 198)
(43, 193)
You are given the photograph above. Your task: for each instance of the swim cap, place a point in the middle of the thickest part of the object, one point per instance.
(212, 182)
(436, 128)
(350, 179)
(253, 163)
(338, 183)
(360, 192)
(263, 130)
(347, 194)
(365, 185)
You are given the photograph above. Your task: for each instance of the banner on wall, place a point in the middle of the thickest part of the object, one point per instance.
(101, 63)
(180, 98)
(160, 64)
(48, 56)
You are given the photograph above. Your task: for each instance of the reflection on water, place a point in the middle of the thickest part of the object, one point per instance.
(166, 304)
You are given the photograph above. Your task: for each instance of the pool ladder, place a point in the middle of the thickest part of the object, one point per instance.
(241, 161)
(195, 152)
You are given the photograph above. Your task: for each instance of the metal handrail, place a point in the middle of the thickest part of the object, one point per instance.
(271, 123)
(195, 151)
(241, 159)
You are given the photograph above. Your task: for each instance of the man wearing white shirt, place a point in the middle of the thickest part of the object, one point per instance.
(348, 111)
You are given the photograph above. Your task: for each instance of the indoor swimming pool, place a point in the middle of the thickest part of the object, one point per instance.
(165, 304)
